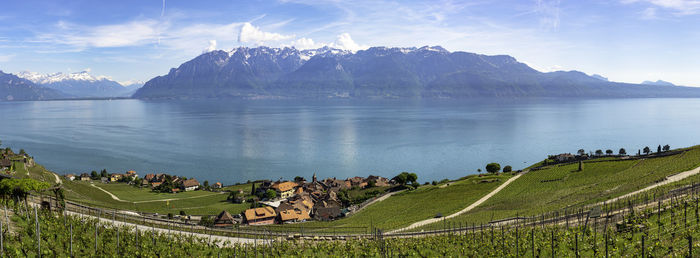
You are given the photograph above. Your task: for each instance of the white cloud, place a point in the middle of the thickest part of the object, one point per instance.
(344, 41)
(649, 13)
(117, 35)
(306, 43)
(252, 34)
(212, 46)
(549, 12)
(679, 7)
(6, 58)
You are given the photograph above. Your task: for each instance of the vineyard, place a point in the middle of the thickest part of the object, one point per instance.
(662, 227)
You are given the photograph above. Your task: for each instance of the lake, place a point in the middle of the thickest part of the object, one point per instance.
(234, 141)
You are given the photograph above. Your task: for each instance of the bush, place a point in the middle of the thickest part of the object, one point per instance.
(507, 168)
(493, 167)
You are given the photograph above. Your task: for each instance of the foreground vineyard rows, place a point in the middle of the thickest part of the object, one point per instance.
(670, 229)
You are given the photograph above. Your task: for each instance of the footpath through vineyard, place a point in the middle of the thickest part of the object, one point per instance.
(468, 208)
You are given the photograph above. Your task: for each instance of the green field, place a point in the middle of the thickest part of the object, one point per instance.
(143, 200)
(405, 208)
(561, 186)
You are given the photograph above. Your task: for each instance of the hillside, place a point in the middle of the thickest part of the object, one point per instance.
(15, 88)
(80, 84)
(379, 72)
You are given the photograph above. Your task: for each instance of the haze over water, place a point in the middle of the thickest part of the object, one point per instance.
(235, 141)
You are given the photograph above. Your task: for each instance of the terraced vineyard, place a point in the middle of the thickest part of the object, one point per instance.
(670, 229)
(561, 186)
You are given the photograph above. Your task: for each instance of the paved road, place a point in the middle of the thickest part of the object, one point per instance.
(468, 208)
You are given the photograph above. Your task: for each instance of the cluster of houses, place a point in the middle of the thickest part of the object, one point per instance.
(300, 201)
(176, 183)
(114, 177)
(7, 157)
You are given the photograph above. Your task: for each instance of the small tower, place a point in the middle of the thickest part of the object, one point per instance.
(313, 179)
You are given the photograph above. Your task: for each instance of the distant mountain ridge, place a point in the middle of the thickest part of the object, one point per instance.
(658, 83)
(16, 88)
(79, 85)
(379, 72)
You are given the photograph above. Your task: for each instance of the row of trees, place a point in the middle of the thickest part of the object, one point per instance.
(495, 168)
(622, 151)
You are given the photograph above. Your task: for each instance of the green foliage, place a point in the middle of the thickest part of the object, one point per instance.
(493, 167)
(507, 169)
(405, 178)
(270, 194)
(622, 151)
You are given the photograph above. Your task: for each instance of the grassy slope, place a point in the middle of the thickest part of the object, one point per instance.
(536, 192)
(423, 203)
(198, 202)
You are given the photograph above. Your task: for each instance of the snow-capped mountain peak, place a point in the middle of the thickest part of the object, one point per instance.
(59, 77)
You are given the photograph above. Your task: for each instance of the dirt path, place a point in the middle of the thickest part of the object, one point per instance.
(381, 198)
(159, 200)
(468, 208)
(670, 179)
(58, 179)
(110, 194)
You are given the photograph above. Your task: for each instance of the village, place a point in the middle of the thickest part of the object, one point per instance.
(271, 202)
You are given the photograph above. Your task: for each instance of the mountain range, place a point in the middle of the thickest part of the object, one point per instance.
(379, 72)
(80, 84)
(16, 88)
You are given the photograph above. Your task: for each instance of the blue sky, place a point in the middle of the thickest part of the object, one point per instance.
(624, 40)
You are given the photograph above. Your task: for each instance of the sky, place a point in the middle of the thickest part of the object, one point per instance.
(623, 40)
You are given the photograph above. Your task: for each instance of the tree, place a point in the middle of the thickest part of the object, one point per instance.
(478, 170)
(507, 168)
(22, 152)
(182, 213)
(206, 183)
(412, 177)
(94, 175)
(647, 150)
(415, 185)
(608, 152)
(206, 221)
(667, 148)
(622, 151)
(658, 149)
(299, 179)
(371, 183)
(401, 178)
(252, 191)
(104, 173)
(232, 196)
(493, 167)
(270, 194)
(581, 152)
(598, 152)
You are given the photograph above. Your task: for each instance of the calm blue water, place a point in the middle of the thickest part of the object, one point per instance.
(234, 141)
